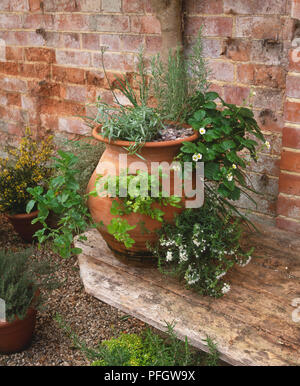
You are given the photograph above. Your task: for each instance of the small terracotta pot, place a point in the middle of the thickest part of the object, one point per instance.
(22, 225)
(17, 335)
(100, 206)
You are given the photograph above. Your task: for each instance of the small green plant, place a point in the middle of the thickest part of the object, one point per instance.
(63, 199)
(136, 122)
(201, 247)
(22, 275)
(137, 199)
(147, 349)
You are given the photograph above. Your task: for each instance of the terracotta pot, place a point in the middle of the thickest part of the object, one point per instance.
(22, 225)
(17, 335)
(100, 206)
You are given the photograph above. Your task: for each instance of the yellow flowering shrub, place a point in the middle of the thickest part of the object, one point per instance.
(24, 167)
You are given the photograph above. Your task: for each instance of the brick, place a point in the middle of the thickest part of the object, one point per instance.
(291, 137)
(9, 68)
(35, 5)
(295, 9)
(91, 41)
(69, 75)
(288, 207)
(266, 165)
(74, 93)
(13, 99)
(73, 58)
(49, 121)
(204, 7)
(59, 107)
(90, 5)
(261, 75)
(212, 48)
(269, 120)
(145, 24)
(13, 84)
(10, 113)
(111, 5)
(74, 126)
(292, 111)
(258, 27)
(34, 70)
(288, 224)
(240, 7)
(96, 78)
(289, 184)
(237, 49)
(72, 22)
(44, 88)
(131, 43)
(109, 23)
(114, 61)
(293, 86)
(290, 161)
(235, 94)
(223, 71)
(38, 21)
(133, 6)
(70, 40)
(269, 52)
(213, 26)
(153, 44)
(34, 54)
(111, 42)
(9, 21)
(14, 53)
(14, 5)
(59, 6)
(265, 98)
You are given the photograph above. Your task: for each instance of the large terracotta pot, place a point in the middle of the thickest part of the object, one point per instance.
(22, 225)
(17, 335)
(100, 206)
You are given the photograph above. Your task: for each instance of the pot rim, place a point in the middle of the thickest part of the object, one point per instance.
(175, 142)
(22, 215)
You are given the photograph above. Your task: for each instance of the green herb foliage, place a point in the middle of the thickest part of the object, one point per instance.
(21, 276)
(147, 349)
(63, 200)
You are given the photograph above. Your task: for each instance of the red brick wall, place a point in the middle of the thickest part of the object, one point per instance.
(50, 68)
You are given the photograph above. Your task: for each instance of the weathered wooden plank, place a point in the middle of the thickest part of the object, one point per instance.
(251, 325)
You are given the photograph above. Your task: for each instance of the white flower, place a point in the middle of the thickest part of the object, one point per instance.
(241, 264)
(226, 288)
(202, 131)
(169, 256)
(196, 242)
(182, 254)
(234, 166)
(221, 275)
(229, 177)
(253, 93)
(195, 158)
(199, 156)
(267, 144)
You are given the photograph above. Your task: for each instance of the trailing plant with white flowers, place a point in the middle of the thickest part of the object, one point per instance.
(201, 247)
(229, 139)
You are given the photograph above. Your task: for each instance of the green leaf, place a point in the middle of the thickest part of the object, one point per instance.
(210, 105)
(199, 115)
(30, 205)
(211, 96)
(211, 171)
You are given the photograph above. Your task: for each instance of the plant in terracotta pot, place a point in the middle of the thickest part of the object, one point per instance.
(23, 279)
(24, 167)
(139, 132)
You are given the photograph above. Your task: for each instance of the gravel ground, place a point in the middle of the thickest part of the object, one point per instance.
(92, 320)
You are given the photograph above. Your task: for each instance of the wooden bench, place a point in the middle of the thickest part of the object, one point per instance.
(254, 324)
